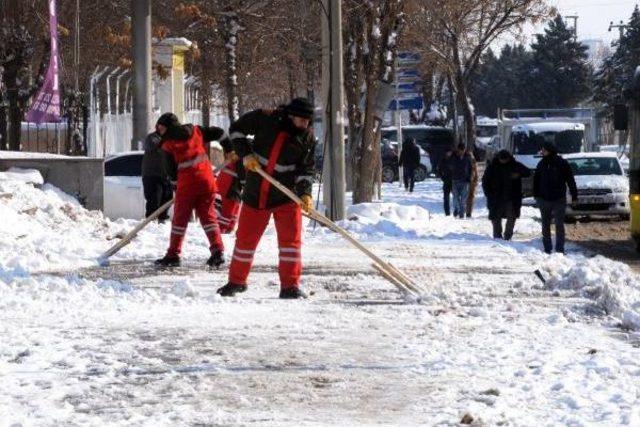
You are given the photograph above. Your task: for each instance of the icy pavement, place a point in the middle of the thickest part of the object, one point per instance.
(131, 345)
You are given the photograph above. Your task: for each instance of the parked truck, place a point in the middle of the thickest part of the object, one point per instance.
(522, 133)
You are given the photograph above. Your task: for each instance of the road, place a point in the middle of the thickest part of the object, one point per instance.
(609, 238)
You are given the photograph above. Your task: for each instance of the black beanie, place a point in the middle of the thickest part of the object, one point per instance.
(169, 120)
(300, 107)
(550, 146)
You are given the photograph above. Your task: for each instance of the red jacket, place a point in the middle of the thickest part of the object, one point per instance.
(186, 145)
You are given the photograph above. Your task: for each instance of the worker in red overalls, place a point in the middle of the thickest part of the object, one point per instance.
(184, 146)
(283, 146)
(230, 181)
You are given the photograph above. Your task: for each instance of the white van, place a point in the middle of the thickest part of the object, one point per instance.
(526, 142)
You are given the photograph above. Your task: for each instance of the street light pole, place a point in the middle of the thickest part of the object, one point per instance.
(621, 27)
(141, 28)
(575, 25)
(335, 183)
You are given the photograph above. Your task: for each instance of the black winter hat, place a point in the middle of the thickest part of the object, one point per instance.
(169, 120)
(300, 107)
(550, 146)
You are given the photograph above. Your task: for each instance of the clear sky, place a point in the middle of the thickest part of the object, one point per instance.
(594, 16)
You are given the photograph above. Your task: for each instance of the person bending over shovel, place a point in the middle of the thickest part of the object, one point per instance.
(184, 145)
(284, 147)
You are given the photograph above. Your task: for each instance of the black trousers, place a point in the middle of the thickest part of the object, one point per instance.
(408, 175)
(157, 192)
(446, 192)
(552, 211)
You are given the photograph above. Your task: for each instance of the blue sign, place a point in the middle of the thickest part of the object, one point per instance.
(407, 89)
(414, 103)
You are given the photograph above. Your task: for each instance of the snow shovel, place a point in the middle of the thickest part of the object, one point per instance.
(102, 259)
(388, 271)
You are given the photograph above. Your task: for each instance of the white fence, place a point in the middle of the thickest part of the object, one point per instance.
(110, 128)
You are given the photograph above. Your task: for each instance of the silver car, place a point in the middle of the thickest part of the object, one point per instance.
(603, 188)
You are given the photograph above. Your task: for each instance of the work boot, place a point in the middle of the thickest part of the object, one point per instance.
(230, 289)
(216, 259)
(168, 261)
(292, 293)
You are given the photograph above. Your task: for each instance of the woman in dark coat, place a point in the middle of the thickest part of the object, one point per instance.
(502, 186)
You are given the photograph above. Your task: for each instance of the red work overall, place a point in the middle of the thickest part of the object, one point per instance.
(196, 190)
(253, 222)
(228, 215)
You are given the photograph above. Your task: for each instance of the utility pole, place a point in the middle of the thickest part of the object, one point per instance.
(575, 25)
(334, 171)
(141, 28)
(398, 120)
(621, 28)
(76, 47)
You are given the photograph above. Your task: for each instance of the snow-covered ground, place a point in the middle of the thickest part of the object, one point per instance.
(128, 344)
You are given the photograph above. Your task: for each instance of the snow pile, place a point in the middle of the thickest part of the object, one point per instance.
(45, 228)
(612, 285)
(389, 219)
(28, 176)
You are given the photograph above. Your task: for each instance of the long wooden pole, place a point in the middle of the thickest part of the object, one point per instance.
(130, 235)
(313, 214)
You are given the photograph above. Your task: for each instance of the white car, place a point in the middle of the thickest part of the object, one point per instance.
(123, 192)
(603, 188)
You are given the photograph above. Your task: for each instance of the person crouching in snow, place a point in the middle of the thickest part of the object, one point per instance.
(230, 181)
(184, 145)
(284, 147)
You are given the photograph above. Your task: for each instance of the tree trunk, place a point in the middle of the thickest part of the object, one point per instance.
(467, 111)
(3, 128)
(368, 152)
(230, 54)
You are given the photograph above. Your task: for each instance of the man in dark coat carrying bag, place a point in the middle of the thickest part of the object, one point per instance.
(502, 186)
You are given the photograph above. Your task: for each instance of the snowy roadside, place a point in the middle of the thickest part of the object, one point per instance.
(142, 347)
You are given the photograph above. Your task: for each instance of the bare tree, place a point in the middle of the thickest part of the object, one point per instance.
(458, 32)
(20, 38)
(372, 32)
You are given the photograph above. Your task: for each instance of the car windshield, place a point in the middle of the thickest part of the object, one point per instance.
(566, 141)
(127, 165)
(595, 166)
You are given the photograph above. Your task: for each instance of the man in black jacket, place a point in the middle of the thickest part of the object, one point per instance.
(502, 186)
(155, 182)
(284, 147)
(461, 176)
(444, 170)
(409, 160)
(550, 181)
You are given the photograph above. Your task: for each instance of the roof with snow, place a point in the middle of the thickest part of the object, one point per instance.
(547, 126)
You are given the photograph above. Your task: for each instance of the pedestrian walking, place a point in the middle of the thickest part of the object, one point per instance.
(473, 184)
(155, 180)
(461, 173)
(230, 181)
(444, 170)
(502, 186)
(284, 147)
(551, 179)
(409, 160)
(185, 146)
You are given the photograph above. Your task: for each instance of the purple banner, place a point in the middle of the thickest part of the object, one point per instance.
(46, 105)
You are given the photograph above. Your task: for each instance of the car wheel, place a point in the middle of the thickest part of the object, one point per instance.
(388, 174)
(625, 217)
(570, 219)
(420, 174)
